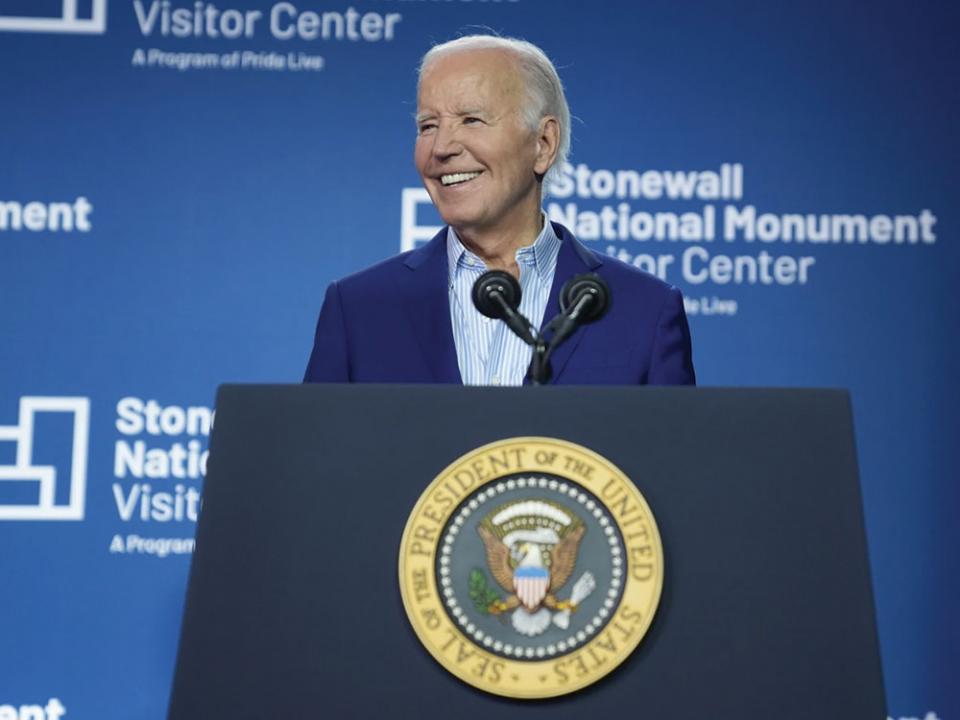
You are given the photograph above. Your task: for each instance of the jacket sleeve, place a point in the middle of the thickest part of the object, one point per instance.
(329, 361)
(671, 362)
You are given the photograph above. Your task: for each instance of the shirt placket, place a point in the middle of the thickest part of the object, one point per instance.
(478, 342)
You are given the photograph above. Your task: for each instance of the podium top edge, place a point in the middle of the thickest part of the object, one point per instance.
(836, 394)
(434, 387)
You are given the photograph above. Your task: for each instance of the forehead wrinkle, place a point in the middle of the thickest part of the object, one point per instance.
(459, 109)
(498, 85)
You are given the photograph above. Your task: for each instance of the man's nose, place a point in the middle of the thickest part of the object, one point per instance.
(446, 143)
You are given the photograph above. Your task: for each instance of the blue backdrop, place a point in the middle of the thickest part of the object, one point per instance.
(181, 180)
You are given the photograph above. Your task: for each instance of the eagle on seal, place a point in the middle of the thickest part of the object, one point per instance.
(530, 575)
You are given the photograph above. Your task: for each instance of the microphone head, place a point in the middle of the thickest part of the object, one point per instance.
(491, 283)
(588, 284)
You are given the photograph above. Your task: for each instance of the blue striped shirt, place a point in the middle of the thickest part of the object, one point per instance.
(488, 352)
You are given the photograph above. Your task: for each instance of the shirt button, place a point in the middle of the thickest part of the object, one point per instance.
(495, 380)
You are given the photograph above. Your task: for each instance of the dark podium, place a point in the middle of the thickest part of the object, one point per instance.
(294, 609)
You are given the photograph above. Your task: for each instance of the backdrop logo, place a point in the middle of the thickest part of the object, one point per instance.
(69, 20)
(46, 505)
(412, 233)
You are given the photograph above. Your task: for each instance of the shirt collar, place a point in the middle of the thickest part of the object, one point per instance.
(542, 254)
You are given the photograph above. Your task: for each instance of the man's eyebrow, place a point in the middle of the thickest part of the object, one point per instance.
(430, 115)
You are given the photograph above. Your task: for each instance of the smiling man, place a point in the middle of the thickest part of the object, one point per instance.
(481, 160)
(492, 124)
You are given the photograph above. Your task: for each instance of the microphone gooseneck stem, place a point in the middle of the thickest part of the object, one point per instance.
(563, 325)
(539, 363)
(517, 322)
(567, 323)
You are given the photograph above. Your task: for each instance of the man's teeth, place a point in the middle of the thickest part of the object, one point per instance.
(458, 178)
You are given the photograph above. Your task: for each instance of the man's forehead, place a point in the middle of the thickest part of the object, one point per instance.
(468, 80)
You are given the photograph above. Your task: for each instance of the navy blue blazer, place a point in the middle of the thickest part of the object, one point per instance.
(391, 324)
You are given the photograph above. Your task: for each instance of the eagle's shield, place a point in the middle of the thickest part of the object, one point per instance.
(531, 584)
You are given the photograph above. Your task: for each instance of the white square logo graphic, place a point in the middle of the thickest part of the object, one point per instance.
(411, 233)
(24, 470)
(69, 20)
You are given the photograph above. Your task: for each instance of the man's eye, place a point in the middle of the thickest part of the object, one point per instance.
(426, 127)
(471, 120)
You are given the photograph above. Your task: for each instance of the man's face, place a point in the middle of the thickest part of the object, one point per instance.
(477, 159)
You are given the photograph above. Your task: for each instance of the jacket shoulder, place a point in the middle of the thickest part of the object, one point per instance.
(624, 278)
(384, 272)
(634, 279)
(374, 275)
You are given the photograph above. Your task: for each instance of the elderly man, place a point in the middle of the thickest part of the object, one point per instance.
(492, 122)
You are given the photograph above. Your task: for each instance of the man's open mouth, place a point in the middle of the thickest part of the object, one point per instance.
(458, 178)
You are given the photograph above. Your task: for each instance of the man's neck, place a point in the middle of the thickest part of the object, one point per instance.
(498, 247)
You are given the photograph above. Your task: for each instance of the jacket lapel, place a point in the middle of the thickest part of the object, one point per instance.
(573, 259)
(426, 297)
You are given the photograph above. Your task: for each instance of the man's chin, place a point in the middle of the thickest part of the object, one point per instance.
(458, 219)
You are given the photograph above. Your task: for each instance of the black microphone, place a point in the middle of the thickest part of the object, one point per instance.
(583, 299)
(496, 294)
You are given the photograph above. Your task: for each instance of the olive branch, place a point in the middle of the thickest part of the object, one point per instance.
(481, 593)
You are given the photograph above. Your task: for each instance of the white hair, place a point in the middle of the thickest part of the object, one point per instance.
(541, 81)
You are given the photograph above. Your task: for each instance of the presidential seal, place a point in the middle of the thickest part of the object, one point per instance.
(531, 567)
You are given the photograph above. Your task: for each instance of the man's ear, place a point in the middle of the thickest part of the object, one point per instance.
(548, 144)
